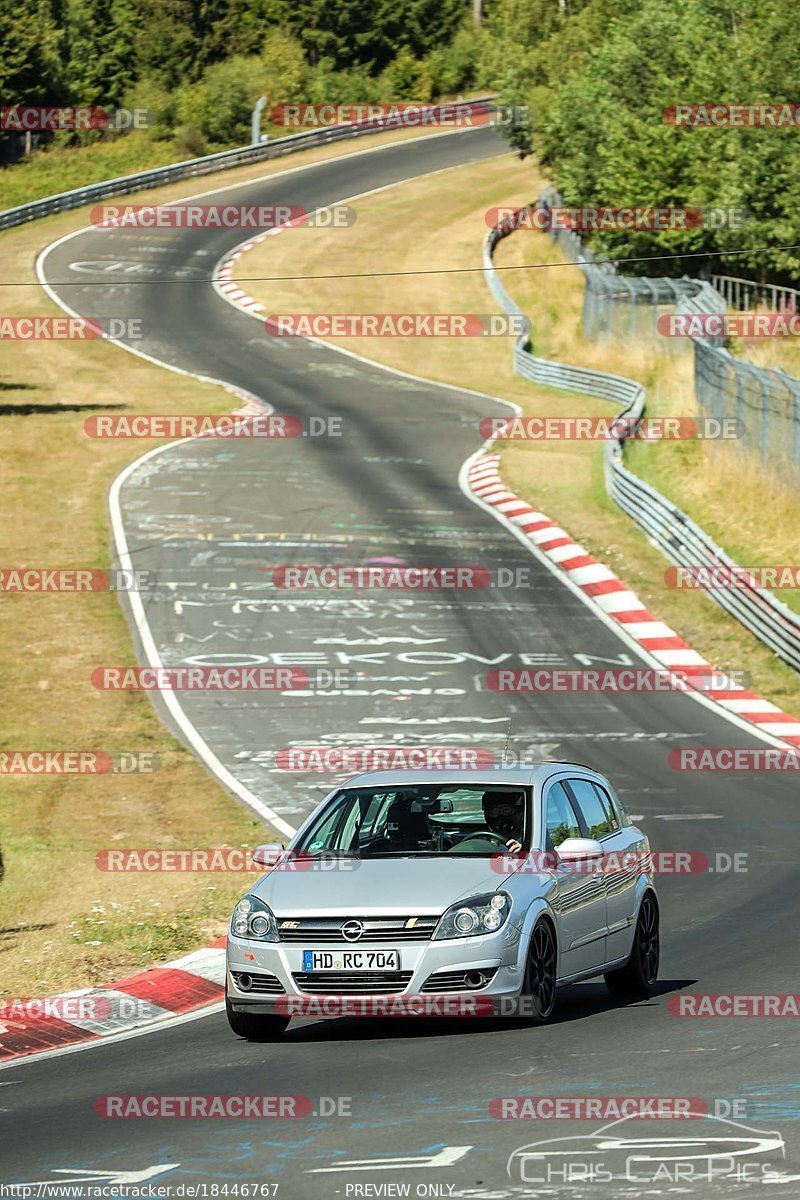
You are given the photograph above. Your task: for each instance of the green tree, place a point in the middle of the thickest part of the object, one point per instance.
(368, 32)
(283, 71)
(227, 28)
(599, 87)
(101, 55)
(221, 103)
(30, 65)
(167, 43)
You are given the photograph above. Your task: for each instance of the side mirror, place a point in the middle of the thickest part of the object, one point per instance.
(268, 854)
(579, 850)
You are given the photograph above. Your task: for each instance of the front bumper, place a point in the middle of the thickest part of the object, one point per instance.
(501, 953)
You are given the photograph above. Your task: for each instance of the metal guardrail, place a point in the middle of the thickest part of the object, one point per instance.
(668, 528)
(207, 165)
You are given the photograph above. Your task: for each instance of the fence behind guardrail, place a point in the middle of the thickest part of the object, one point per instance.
(668, 528)
(766, 401)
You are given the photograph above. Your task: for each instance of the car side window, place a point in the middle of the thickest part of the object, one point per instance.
(338, 827)
(561, 821)
(374, 818)
(617, 805)
(595, 808)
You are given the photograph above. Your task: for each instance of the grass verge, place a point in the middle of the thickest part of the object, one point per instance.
(61, 168)
(565, 478)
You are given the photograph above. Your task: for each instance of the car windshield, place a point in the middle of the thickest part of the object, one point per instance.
(428, 819)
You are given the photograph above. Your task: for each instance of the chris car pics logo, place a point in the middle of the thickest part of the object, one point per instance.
(654, 1154)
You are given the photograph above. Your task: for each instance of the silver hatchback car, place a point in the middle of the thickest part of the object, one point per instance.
(489, 888)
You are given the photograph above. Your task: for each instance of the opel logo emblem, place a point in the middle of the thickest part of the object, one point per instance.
(352, 930)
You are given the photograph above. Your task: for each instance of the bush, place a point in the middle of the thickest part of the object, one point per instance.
(457, 63)
(189, 142)
(220, 104)
(329, 86)
(160, 103)
(401, 79)
(284, 73)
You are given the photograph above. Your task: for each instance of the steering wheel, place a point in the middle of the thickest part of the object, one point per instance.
(486, 836)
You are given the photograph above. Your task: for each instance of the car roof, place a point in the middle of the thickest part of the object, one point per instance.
(524, 776)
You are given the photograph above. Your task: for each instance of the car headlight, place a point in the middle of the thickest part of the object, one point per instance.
(252, 918)
(469, 918)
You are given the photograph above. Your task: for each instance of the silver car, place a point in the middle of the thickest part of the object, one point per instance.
(483, 888)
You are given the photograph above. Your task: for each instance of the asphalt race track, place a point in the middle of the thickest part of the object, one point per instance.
(211, 519)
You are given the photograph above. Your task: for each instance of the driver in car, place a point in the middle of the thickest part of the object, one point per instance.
(502, 812)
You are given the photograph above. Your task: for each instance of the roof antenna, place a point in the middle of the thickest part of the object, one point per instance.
(505, 748)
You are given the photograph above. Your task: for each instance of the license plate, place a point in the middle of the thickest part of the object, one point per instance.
(351, 960)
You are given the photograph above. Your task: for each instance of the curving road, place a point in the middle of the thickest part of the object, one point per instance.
(211, 519)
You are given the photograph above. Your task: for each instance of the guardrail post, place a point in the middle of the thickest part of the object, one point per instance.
(255, 121)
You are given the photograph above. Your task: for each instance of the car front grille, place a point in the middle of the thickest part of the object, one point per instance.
(336, 983)
(456, 981)
(264, 984)
(322, 930)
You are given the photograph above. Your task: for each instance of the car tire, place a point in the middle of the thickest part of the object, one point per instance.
(256, 1027)
(537, 998)
(638, 977)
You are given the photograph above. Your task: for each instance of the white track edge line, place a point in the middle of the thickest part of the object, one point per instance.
(616, 627)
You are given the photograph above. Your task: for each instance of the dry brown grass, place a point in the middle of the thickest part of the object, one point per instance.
(783, 352)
